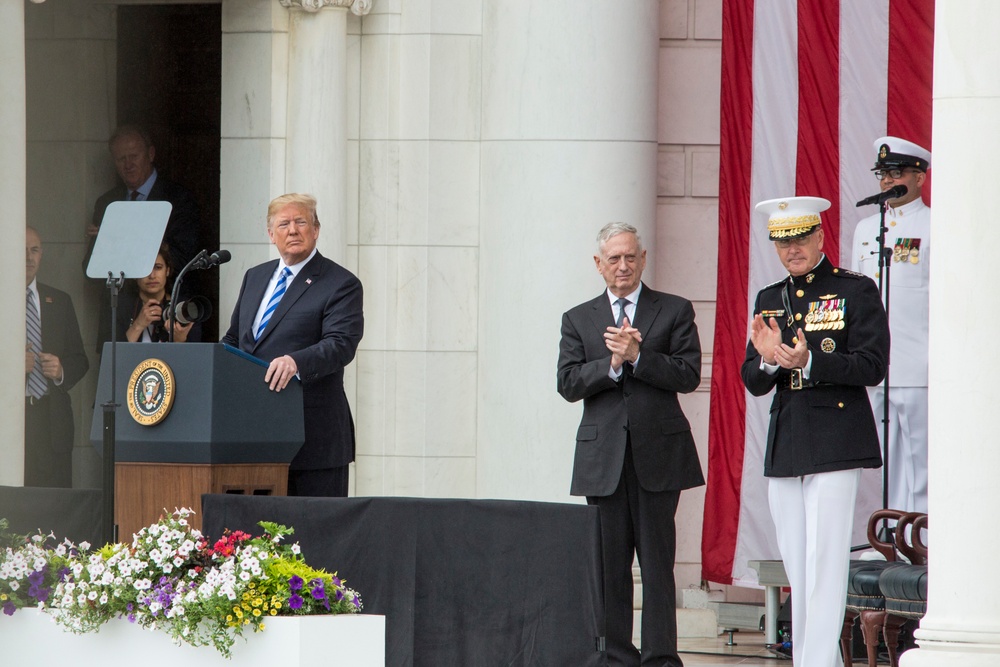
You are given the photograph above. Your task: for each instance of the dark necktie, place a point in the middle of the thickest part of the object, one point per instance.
(133, 196)
(622, 302)
(37, 386)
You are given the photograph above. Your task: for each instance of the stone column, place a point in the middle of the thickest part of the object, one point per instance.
(962, 625)
(284, 122)
(316, 140)
(13, 184)
(569, 144)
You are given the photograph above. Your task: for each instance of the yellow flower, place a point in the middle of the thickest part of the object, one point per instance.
(261, 626)
(229, 618)
(256, 612)
(274, 612)
(239, 612)
(253, 585)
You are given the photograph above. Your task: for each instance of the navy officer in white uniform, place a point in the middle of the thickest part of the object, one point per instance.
(908, 237)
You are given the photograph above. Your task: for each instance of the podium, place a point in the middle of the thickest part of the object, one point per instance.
(194, 418)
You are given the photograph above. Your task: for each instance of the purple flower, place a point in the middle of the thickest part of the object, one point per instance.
(295, 583)
(340, 595)
(295, 601)
(62, 573)
(357, 602)
(36, 577)
(9, 608)
(317, 590)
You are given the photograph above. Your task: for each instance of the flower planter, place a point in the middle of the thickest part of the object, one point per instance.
(358, 640)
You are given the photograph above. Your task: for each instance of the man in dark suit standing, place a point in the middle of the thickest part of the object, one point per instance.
(818, 337)
(303, 313)
(54, 361)
(133, 152)
(627, 354)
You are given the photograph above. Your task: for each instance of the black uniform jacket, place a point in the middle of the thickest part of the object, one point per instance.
(828, 424)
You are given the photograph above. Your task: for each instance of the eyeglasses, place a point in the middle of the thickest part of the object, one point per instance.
(800, 241)
(891, 173)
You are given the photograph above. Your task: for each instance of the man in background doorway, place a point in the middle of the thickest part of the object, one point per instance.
(133, 153)
(54, 361)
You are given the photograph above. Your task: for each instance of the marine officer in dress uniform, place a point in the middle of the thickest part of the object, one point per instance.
(908, 237)
(818, 338)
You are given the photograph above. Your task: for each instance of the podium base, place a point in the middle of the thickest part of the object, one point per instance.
(146, 491)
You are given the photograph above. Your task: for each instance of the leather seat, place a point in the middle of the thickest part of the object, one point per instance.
(905, 586)
(864, 593)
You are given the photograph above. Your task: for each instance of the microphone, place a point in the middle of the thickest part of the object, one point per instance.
(205, 261)
(223, 256)
(882, 197)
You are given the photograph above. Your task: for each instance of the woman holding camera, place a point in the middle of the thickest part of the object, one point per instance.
(142, 304)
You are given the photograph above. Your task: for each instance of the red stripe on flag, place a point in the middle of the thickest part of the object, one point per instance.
(727, 426)
(911, 70)
(818, 157)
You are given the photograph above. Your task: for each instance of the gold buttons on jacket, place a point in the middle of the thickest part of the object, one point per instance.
(798, 316)
(840, 405)
(800, 294)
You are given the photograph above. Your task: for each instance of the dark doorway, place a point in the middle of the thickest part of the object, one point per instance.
(170, 81)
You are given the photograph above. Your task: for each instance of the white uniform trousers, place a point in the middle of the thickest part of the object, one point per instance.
(814, 516)
(907, 444)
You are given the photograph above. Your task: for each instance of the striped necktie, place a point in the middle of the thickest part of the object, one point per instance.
(36, 386)
(272, 303)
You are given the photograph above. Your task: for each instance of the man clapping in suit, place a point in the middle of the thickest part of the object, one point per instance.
(627, 354)
(303, 313)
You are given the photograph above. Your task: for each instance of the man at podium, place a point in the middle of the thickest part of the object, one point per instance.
(303, 314)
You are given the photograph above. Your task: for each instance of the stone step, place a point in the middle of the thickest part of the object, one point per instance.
(739, 615)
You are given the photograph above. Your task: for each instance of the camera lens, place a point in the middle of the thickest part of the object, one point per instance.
(195, 309)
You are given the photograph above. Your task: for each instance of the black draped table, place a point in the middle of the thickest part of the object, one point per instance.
(72, 513)
(462, 583)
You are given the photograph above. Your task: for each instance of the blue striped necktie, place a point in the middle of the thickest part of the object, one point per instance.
(272, 303)
(37, 386)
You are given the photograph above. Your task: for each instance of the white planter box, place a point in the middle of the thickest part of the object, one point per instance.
(31, 637)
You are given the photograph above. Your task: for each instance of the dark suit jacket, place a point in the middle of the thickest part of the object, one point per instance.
(828, 425)
(319, 323)
(61, 337)
(182, 227)
(642, 404)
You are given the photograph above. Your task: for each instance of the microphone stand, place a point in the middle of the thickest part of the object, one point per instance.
(197, 259)
(884, 264)
(109, 529)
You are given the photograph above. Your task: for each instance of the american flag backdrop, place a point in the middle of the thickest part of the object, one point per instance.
(807, 86)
